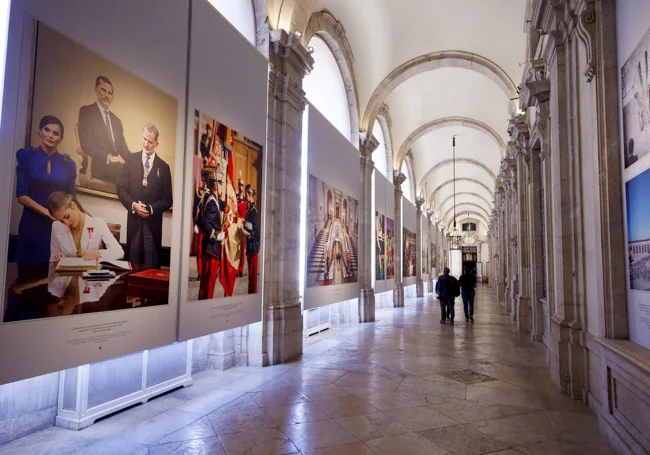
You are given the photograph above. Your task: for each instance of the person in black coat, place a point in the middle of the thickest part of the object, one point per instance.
(252, 230)
(101, 135)
(467, 287)
(145, 190)
(445, 288)
(209, 222)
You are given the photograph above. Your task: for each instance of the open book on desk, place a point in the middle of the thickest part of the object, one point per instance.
(81, 265)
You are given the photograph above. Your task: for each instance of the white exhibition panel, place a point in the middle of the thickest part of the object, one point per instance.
(334, 160)
(151, 50)
(390, 213)
(380, 206)
(408, 221)
(632, 42)
(238, 99)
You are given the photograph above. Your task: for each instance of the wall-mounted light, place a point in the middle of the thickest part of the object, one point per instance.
(310, 49)
(298, 34)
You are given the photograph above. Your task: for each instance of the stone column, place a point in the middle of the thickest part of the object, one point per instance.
(367, 145)
(282, 332)
(221, 350)
(500, 244)
(398, 291)
(432, 232)
(419, 234)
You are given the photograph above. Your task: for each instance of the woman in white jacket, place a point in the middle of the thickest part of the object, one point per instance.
(77, 234)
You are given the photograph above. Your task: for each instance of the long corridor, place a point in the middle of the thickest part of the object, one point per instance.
(404, 385)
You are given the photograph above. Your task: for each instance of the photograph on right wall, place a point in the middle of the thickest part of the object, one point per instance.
(409, 253)
(638, 231)
(635, 79)
(390, 249)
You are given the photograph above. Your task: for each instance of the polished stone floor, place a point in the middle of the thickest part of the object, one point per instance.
(405, 385)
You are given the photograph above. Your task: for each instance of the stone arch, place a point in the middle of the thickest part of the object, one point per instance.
(481, 210)
(262, 29)
(325, 25)
(450, 161)
(386, 124)
(434, 61)
(458, 179)
(446, 122)
(409, 168)
(474, 213)
(465, 193)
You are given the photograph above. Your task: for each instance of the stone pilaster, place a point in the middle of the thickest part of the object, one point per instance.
(432, 232)
(367, 144)
(419, 235)
(283, 325)
(398, 291)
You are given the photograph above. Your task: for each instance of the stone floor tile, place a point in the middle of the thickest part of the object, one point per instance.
(575, 448)
(147, 410)
(248, 419)
(345, 407)
(292, 414)
(520, 429)
(367, 380)
(421, 386)
(356, 448)
(210, 401)
(463, 440)
(311, 376)
(466, 411)
(316, 435)
(209, 446)
(573, 427)
(372, 426)
(323, 392)
(54, 440)
(410, 443)
(385, 401)
(421, 418)
(201, 429)
(542, 448)
(258, 442)
(278, 397)
(160, 426)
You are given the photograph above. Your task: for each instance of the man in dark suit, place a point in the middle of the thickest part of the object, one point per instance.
(101, 134)
(145, 190)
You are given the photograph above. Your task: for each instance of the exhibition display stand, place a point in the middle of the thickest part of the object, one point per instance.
(89, 392)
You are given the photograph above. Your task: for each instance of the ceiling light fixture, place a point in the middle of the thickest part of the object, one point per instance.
(455, 239)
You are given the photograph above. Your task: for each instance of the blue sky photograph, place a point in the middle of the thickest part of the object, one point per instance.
(638, 207)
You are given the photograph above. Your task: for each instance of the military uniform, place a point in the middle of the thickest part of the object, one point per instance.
(209, 223)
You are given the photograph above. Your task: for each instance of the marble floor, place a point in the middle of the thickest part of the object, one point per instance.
(404, 385)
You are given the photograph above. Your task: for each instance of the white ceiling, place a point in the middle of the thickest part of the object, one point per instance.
(385, 34)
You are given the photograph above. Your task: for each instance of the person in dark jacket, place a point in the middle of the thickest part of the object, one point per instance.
(252, 230)
(209, 221)
(445, 288)
(467, 288)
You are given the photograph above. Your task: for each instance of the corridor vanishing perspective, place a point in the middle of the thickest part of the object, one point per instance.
(404, 385)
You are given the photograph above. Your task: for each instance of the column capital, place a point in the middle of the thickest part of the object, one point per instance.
(366, 160)
(288, 53)
(367, 143)
(398, 179)
(419, 202)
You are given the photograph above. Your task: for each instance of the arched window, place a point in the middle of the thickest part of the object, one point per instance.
(325, 89)
(240, 14)
(379, 155)
(406, 186)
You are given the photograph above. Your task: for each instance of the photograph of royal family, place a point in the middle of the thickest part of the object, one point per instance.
(390, 249)
(93, 182)
(226, 236)
(409, 253)
(332, 235)
(380, 267)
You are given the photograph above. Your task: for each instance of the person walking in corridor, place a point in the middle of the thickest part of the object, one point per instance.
(447, 289)
(468, 290)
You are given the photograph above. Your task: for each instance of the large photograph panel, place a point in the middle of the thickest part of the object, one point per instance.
(226, 235)
(635, 89)
(390, 249)
(380, 266)
(409, 254)
(93, 127)
(638, 231)
(332, 235)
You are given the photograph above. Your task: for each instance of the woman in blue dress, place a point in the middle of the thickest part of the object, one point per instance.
(39, 172)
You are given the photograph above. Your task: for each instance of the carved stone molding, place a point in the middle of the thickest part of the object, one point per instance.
(587, 30)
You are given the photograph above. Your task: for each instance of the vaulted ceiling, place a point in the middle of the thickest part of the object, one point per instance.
(444, 68)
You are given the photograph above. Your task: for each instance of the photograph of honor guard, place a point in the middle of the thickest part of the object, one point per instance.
(145, 190)
(209, 222)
